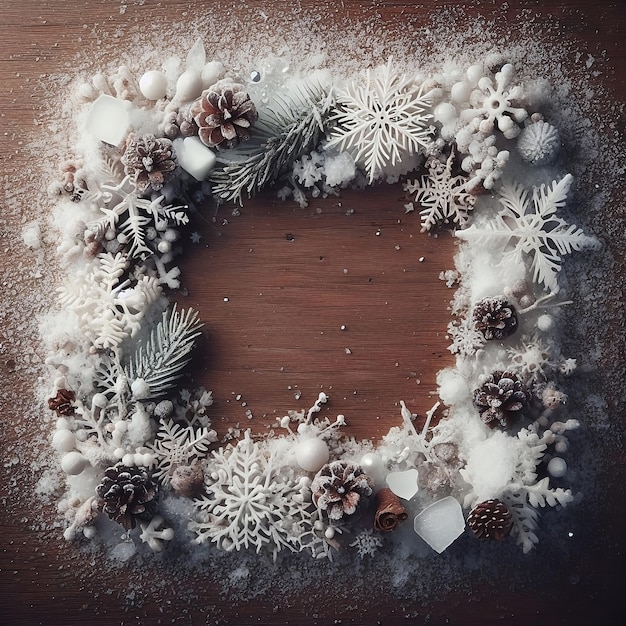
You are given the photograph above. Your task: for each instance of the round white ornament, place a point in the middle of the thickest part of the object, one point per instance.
(73, 463)
(188, 86)
(153, 85)
(312, 454)
(63, 440)
(557, 467)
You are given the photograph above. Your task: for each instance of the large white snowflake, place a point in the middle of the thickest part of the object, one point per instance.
(528, 226)
(248, 503)
(380, 122)
(444, 197)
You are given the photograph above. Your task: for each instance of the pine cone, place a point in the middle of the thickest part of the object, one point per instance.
(495, 317)
(490, 520)
(224, 114)
(62, 403)
(150, 161)
(339, 488)
(501, 398)
(127, 494)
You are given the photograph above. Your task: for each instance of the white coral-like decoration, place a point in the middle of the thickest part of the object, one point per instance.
(528, 227)
(539, 143)
(444, 197)
(247, 502)
(380, 122)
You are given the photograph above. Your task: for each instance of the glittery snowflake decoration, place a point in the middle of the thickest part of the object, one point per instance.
(366, 543)
(382, 121)
(444, 197)
(248, 504)
(528, 227)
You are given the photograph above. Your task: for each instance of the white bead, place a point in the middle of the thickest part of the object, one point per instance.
(63, 440)
(99, 400)
(164, 247)
(557, 467)
(329, 533)
(188, 86)
(372, 463)
(153, 85)
(312, 454)
(475, 73)
(73, 463)
(460, 92)
(545, 322)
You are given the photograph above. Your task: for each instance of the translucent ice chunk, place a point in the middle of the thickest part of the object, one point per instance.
(194, 157)
(440, 523)
(403, 484)
(108, 120)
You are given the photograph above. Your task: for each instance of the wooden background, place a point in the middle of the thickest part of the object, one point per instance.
(279, 285)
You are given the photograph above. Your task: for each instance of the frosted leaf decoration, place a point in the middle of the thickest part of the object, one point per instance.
(528, 227)
(382, 121)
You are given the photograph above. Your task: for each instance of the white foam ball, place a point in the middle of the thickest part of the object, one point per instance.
(128, 460)
(545, 323)
(557, 467)
(312, 454)
(99, 400)
(73, 463)
(475, 73)
(445, 112)
(153, 85)
(63, 440)
(140, 389)
(372, 463)
(460, 92)
(211, 73)
(188, 86)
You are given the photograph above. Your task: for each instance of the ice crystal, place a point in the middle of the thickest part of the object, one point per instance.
(533, 359)
(366, 543)
(382, 121)
(176, 445)
(444, 197)
(108, 308)
(528, 225)
(247, 502)
(466, 340)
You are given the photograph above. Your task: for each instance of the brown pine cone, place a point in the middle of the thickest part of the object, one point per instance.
(490, 520)
(501, 398)
(62, 403)
(150, 161)
(224, 114)
(495, 317)
(127, 494)
(340, 488)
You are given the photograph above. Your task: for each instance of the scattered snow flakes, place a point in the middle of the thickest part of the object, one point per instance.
(366, 543)
(530, 227)
(444, 197)
(382, 121)
(247, 503)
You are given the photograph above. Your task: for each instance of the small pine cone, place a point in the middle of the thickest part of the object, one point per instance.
(340, 488)
(150, 161)
(490, 520)
(501, 398)
(62, 403)
(127, 494)
(495, 317)
(224, 114)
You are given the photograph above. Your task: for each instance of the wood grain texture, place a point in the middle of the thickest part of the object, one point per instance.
(279, 332)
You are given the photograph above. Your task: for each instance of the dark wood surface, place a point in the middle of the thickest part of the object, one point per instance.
(279, 285)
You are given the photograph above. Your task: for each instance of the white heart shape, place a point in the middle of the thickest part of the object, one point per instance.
(403, 484)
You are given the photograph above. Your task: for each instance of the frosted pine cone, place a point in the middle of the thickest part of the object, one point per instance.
(501, 399)
(340, 488)
(490, 520)
(127, 494)
(224, 114)
(495, 317)
(149, 161)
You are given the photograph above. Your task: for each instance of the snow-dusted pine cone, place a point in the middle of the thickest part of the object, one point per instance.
(340, 488)
(495, 317)
(127, 494)
(224, 114)
(501, 398)
(149, 161)
(490, 520)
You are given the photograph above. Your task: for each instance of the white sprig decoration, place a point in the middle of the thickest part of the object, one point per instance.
(157, 363)
(382, 121)
(444, 197)
(528, 227)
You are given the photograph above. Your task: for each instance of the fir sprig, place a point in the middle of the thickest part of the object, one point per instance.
(159, 360)
(290, 128)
